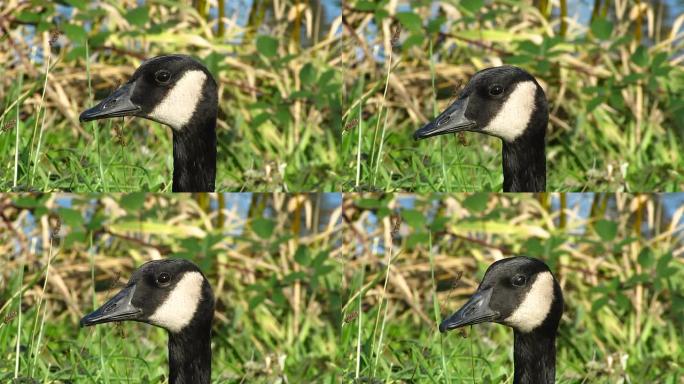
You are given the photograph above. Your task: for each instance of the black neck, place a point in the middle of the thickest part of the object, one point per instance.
(524, 164)
(190, 356)
(534, 356)
(194, 155)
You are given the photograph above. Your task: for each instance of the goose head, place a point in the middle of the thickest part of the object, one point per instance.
(169, 89)
(172, 294)
(519, 292)
(504, 101)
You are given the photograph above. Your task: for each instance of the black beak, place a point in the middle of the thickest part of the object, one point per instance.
(451, 120)
(118, 308)
(117, 104)
(475, 311)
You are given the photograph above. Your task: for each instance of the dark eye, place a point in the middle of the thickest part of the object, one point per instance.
(162, 76)
(519, 280)
(163, 278)
(495, 90)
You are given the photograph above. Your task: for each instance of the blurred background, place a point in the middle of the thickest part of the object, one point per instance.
(611, 70)
(412, 260)
(276, 63)
(272, 260)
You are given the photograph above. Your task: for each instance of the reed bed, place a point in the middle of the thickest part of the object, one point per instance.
(276, 63)
(271, 259)
(416, 259)
(613, 80)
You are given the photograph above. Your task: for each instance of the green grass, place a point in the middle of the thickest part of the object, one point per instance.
(279, 103)
(623, 291)
(276, 286)
(614, 125)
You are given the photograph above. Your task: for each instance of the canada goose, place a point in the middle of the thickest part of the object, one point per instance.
(180, 92)
(522, 293)
(508, 103)
(174, 295)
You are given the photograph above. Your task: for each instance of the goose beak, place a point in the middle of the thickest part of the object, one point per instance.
(475, 311)
(451, 120)
(117, 104)
(118, 308)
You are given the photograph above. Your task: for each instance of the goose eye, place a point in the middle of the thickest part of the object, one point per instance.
(163, 278)
(518, 280)
(162, 76)
(496, 90)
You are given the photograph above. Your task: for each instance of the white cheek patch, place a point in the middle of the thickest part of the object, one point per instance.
(179, 307)
(536, 305)
(177, 108)
(515, 113)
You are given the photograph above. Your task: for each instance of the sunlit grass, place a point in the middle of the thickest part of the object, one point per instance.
(277, 292)
(279, 109)
(622, 290)
(615, 124)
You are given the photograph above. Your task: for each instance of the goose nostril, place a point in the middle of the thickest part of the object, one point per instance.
(110, 103)
(444, 120)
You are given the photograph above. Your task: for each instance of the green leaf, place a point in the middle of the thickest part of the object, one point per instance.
(602, 29)
(598, 304)
(80, 4)
(476, 202)
(77, 52)
(658, 59)
(439, 224)
(529, 47)
(435, 24)
(369, 203)
(320, 259)
(366, 5)
(282, 116)
(534, 247)
(543, 66)
(75, 33)
(663, 262)
(606, 229)
(519, 59)
(623, 302)
(414, 39)
(138, 16)
(294, 276)
(263, 227)
(28, 17)
(256, 301)
(417, 238)
(70, 217)
(260, 119)
(74, 237)
(307, 75)
(413, 218)
(267, 45)
(640, 57)
(132, 202)
(302, 255)
(29, 201)
(472, 6)
(595, 102)
(646, 258)
(410, 21)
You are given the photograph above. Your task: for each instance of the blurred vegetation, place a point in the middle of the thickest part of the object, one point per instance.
(614, 83)
(413, 260)
(269, 257)
(276, 63)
